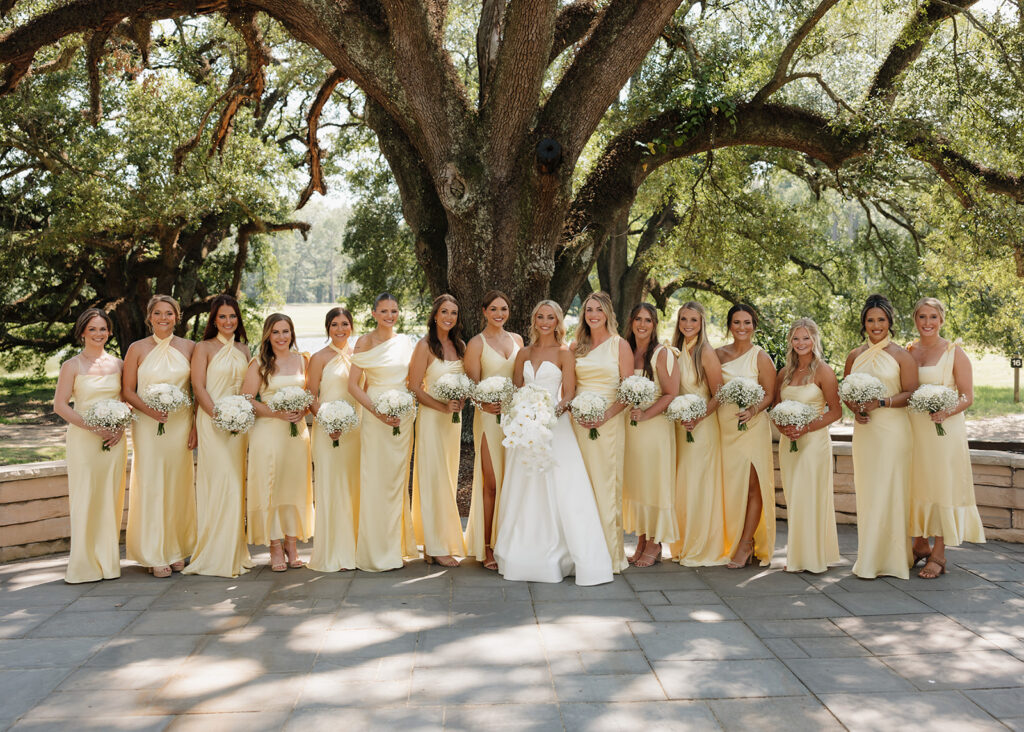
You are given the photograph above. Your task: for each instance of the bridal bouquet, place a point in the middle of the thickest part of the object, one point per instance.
(108, 414)
(531, 417)
(589, 406)
(744, 392)
(494, 390)
(290, 399)
(932, 398)
(165, 398)
(395, 403)
(686, 408)
(791, 413)
(450, 387)
(635, 391)
(337, 416)
(861, 388)
(233, 414)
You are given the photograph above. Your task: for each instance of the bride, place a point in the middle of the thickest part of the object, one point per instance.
(548, 524)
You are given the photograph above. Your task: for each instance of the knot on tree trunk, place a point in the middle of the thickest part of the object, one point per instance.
(453, 191)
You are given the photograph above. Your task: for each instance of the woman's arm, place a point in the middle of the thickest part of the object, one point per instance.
(766, 378)
(130, 382)
(625, 370)
(421, 356)
(963, 375)
(567, 362)
(517, 369)
(908, 379)
(313, 375)
(471, 359)
(200, 361)
(669, 381)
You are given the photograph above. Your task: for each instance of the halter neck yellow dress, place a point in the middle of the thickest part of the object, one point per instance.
(699, 499)
(741, 451)
(95, 487)
(649, 471)
(336, 475)
(385, 536)
(486, 427)
(881, 475)
(279, 498)
(161, 495)
(598, 372)
(941, 481)
(221, 550)
(807, 483)
(435, 477)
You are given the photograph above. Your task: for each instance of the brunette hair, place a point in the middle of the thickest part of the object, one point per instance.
(584, 337)
(492, 295)
(882, 303)
(930, 302)
(433, 341)
(792, 360)
(211, 323)
(653, 345)
(679, 341)
(78, 334)
(559, 328)
(382, 297)
(741, 307)
(156, 300)
(267, 359)
(334, 313)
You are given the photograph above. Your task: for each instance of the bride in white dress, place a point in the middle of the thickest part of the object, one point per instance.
(548, 523)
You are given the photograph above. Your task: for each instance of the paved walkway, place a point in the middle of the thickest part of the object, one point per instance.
(425, 648)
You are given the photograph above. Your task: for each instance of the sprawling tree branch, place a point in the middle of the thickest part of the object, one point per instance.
(488, 41)
(786, 57)
(316, 172)
(574, 22)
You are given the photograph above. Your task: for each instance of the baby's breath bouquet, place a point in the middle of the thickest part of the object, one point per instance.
(791, 413)
(290, 399)
(452, 387)
(166, 398)
(395, 403)
(932, 398)
(108, 414)
(337, 416)
(635, 391)
(233, 414)
(589, 406)
(495, 390)
(742, 391)
(531, 417)
(686, 408)
(861, 388)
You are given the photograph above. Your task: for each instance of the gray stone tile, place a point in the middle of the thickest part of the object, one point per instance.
(834, 675)
(24, 688)
(617, 662)
(608, 636)
(831, 647)
(755, 583)
(111, 602)
(399, 613)
(785, 648)
(17, 622)
(954, 579)
(312, 585)
(335, 688)
(505, 592)
(275, 653)
(617, 589)
(102, 623)
(726, 679)
(176, 622)
(368, 643)
(892, 602)
(505, 716)
(608, 687)
(895, 710)
(391, 584)
(134, 584)
(477, 684)
(41, 595)
(226, 596)
(1014, 587)
(993, 623)
(673, 716)
(693, 641)
(44, 652)
(1015, 723)
(679, 578)
(588, 611)
(1000, 703)
(129, 676)
(305, 624)
(76, 705)
(808, 628)
(693, 597)
(228, 686)
(960, 670)
(796, 714)
(778, 607)
(327, 718)
(911, 634)
(359, 670)
(510, 646)
(972, 601)
(839, 580)
(104, 723)
(653, 597)
(229, 721)
(997, 571)
(126, 650)
(699, 613)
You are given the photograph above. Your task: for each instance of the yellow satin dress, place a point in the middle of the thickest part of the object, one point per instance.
(807, 483)
(95, 487)
(741, 451)
(279, 489)
(336, 472)
(161, 495)
(598, 372)
(881, 475)
(941, 481)
(435, 477)
(486, 427)
(385, 535)
(221, 550)
(649, 472)
(699, 500)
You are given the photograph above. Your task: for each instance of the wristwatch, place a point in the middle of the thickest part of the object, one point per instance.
(883, 402)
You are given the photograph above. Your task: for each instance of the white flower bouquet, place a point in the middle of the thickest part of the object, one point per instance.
(742, 391)
(495, 390)
(531, 417)
(290, 399)
(861, 388)
(686, 408)
(932, 398)
(791, 413)
(588, 406)
(165, 397)
(337, 416)
(108, 414)
(636, 391)
(395, 403)
(233, 414)
(450, 387)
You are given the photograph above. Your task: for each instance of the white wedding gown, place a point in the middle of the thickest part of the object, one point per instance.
(548, 525)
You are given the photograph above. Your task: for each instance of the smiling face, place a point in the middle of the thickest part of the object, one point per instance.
(689, 323)
(876, 324)
(497, 312)
(741, 326)
(386, 313)
(163, 319)
(96, 333)
(281, 336)
(545, 320)
(446, 318)
(643, 325)
(226, 320)
(340, 328)
(594, 315)
(928, 321)
(802, 342)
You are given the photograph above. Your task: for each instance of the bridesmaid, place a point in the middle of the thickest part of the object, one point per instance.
(384, 536)
(336, 484)
(218, 367)
(699, 494)
(648, 484)
(95, 476)
(748, 473)
(279, 499)
(491, 352)
(161, 495)
(603, 359)
(941, 482)
(807, 474)
(881, 447)
(435, 477)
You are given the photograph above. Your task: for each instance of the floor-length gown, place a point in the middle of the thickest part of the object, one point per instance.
(336, 476)
(385, 536)
(550, 526)
(807, 483)
(95, 487)
(161, 496)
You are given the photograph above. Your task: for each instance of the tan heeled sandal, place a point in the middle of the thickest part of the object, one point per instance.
(749, 559)
(940, 563)
(275, 565)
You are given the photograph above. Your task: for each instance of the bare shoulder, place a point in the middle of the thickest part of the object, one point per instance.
(243, 348)
(624, 349)
(517, 338)
(363, 343)
(320, 357)
(824, 374)
(184, 345)
(70, 367)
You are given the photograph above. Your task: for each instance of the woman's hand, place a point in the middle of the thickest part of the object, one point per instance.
(692, 424)
(293, 416)
(939, 417)
(193, 438)
(452, 406)
(596, 424)
(159, 416)
(490, 407)
(638, 415)
(335, 435)
(389, 421)
(746, 415)
(109, 437)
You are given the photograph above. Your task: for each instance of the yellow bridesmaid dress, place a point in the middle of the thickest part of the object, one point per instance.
(598, 372)
(435, 478)
(941, 481)
(221, 550)
(385, 536)
(881, 475)
(161, 495)
(649, 472)
(486, 427)
(95, 487)
(807, 483)
(279, 495)
(741, 451)
(699, 500)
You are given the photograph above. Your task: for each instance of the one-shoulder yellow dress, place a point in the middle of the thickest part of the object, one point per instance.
(941, 481)
(699, 501)
(741, 451)
(336, 475)
(435, 477)
(95, 487)
(598, 372)
(486, 429)
(385, 536)
(807, 483)
(221, 550)
(881, 475)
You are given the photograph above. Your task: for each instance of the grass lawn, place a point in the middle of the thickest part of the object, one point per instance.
(25, 399)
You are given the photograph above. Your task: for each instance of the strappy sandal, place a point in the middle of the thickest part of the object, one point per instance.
(489, 561)
(277, 566)
(178, 566)
(445, 561)
(291, 550)
(749, 559)
(919, 557)
(940, 563)
(648, 559)
(161, 572)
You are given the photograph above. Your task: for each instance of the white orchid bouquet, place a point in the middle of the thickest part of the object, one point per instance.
(861, 388)
(791, 413)
(290, 399)
(932, 398)
(108, 414)
(495, 390)
(531, 417)
(636, 391)
(742, 391)
(233, 414)
(452, 387)
(589, 406)
(395, 403)
(337, 416)
(166, 398)
(686, 408)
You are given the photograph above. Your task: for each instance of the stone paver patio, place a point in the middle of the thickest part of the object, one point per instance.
(428, 648)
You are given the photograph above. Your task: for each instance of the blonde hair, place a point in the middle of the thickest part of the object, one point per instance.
(265, 353)
(559, 328)
(584, 338)
(679, 341)
(929, 302)
(156, 300)
(792, 360)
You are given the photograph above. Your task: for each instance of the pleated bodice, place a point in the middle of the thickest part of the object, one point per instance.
(598, 371)
(165, 364)
(880, 364)
(91, 388)
(277, 382)
(225, 371)
(438, 368)
(807, 393)
(334, 379)
(386, 365)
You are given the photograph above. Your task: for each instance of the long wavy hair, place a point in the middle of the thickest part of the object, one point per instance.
(334, 313)
(679, 341)
(792, 360)
(433, 340)
(648, 369)
(559, 327)
(211, 322)
(584, 338)
(882, 303)
(267, 359)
